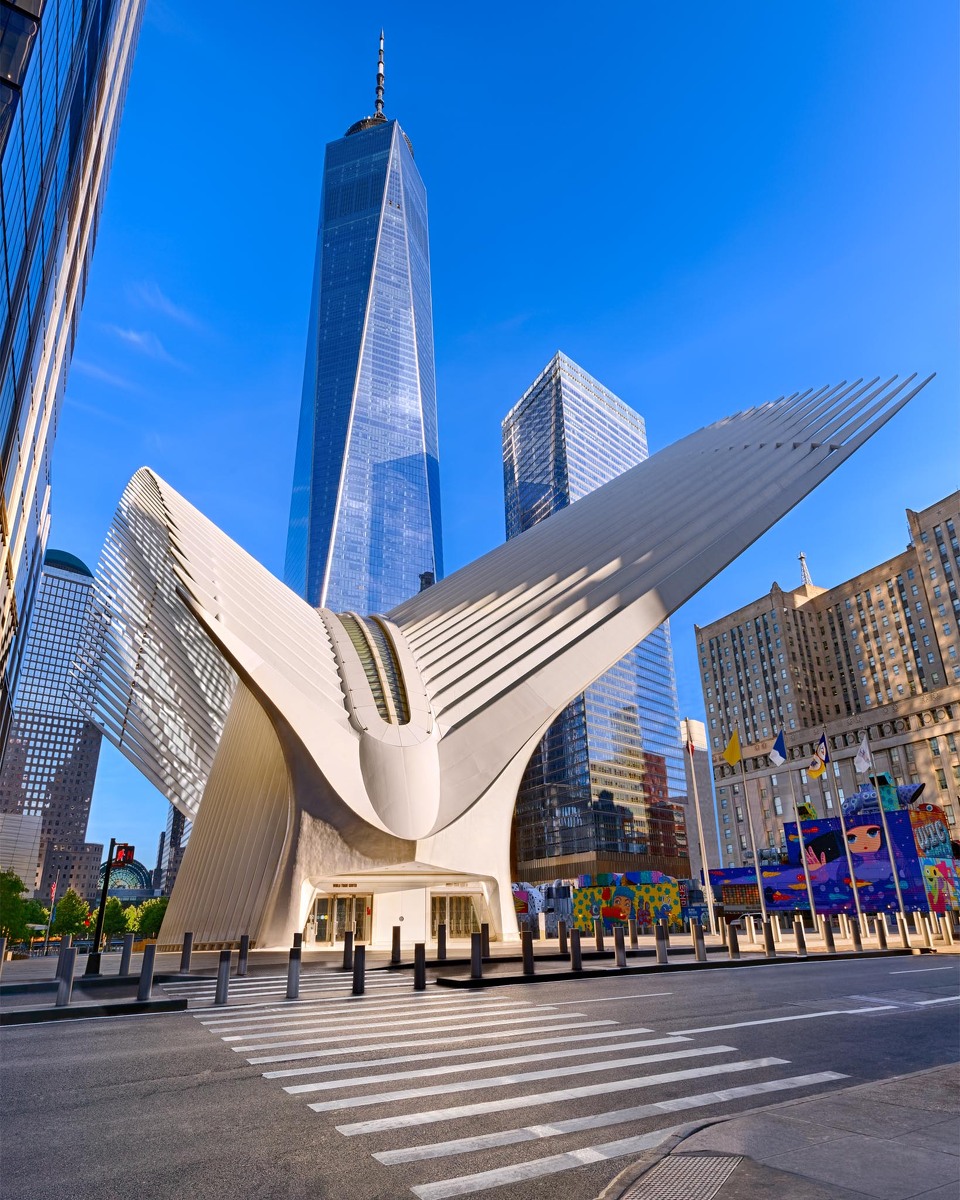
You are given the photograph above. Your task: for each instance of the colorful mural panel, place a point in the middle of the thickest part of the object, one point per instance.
(616, 902)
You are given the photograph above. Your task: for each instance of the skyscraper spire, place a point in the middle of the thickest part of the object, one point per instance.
(806, 579)
(379, 109)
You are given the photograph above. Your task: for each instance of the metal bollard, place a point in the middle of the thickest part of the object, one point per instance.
(948, 926)
(598, 933)
(904, 931)
(485, 939)
(145, 985)
(665, 926)
(66, 941)
(125, 953)
(830, 946)
(65, 985)
(881, 930)
(293, 973)
(223, 977)
(348, 950)
(298, 941)
(768, 945)
(526, 945)
(419, 967)
(776, 928)
(619, 949)
(186, 953)
(661, 936)
(800, 936)
(3, 952)
(441, 942)
(751, 931)
(699, 945)
(562, 937)
(733, 942)
(359, 970)
(244, 954)
(855, 935)
(476, 955)
(395, 946)
(632, 926)
(576, 958)
(925, 930)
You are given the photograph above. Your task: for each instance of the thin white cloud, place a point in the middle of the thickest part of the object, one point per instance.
(82, 367)
(144, 341)
(149, 293)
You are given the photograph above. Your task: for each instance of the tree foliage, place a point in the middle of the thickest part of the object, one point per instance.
(151, 916)
(71, 915)
(13, 917)
(131, 917)
(114, 918)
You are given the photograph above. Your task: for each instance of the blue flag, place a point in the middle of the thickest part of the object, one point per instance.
(778, 755)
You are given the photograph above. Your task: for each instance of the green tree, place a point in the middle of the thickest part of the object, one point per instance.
(151, 916)
(13, 910)
(131, 916)
(71, 915)
(114, 918)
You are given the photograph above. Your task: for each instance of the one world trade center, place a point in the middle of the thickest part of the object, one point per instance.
(364, 529)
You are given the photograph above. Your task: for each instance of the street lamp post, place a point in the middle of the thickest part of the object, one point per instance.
(93, 958)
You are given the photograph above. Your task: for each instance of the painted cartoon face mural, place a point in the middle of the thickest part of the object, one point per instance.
(864, 839)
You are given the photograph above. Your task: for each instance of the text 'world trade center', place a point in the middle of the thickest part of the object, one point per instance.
(365, 512)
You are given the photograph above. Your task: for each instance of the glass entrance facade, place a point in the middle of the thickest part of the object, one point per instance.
(458, 913)
(333, 916)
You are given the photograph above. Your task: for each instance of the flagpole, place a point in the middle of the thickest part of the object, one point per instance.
(753, 838)
(803, 849)
(703, 850)
(853, 876)
(886, 832)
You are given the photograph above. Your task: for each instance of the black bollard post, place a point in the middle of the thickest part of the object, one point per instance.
(441, 942)
(665, 926)
(293, 973)
(562, 938)
(3, 953)
(855, 935)
(298, 941)
(243, 956)
(632, 926)
(359, 970)
(145, 985)
(733, 942)
(476, 955)
(799, 935)
(576, 958)
(904, 931)
(66, 941)
(125, 953)
(419, 967)
(348, 950)
(526, 943)
(65, 985)
(699, 945)
(881, 928)
(948, 926)
(619, 949)
(598, 933)
(660, 934)
(395, 946)
(768, 944)
(829, 941)
(185, 954)
(485, 939)
(925, 930)
(223, 978)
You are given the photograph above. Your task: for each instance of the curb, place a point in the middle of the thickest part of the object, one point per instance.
(80, 1012)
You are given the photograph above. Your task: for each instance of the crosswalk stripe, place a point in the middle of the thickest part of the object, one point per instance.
(462, 1185)
(472, 1085)
(400, 1026)
(299, 1016)
(442, 1036)
(327, 1085)
(639, 1112)
(253, 983)
(941, 1000)
(831, 1012)
(561, 1095)
(382, 1062)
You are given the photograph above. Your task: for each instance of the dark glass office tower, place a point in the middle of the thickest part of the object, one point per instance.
(64, 66)
(603, 790)
(365, 512)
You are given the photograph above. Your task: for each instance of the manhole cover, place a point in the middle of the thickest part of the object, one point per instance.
(684, 1177)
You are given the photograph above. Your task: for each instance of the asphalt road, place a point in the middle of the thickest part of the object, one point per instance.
(525, 1093)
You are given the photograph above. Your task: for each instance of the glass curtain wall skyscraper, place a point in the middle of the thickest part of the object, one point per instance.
(64, 66)
(365, 512)
(602, 790)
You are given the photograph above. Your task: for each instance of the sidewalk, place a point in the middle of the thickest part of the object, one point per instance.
(897, 1139)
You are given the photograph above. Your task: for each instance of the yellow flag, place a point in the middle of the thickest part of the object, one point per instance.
(732, 753)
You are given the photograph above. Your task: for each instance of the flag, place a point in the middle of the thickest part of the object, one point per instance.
(778, 755)
(732, 753)
(863, 762)
(818, 764)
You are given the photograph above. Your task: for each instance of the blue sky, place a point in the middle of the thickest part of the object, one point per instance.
(705, 205)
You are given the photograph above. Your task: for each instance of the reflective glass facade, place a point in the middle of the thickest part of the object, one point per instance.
(602, 790)
(365, 511)
(63, 72)
(50, 762)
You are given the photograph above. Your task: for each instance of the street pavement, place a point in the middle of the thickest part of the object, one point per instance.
(524, 1093)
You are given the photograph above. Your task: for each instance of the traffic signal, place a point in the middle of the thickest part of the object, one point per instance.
(124, 854)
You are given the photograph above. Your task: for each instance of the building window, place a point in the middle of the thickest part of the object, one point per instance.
(778, 806)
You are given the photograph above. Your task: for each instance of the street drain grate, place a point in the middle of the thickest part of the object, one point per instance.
(684, 1177)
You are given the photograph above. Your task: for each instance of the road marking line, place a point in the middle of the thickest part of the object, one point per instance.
(942, 1000)
(395, 1045)
(383, 1062)
(560, 1096)
(298, 1016)
(922, 970)
(833, 1012)
(639, 1112)
(473, 1085)
(615, 999)
(464, 1184)
(434, 1021)
(327, 1085)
